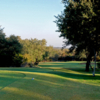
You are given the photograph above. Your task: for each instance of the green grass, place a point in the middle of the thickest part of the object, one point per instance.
(52, 81)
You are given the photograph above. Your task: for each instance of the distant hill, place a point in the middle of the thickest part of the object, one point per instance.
(57, 47)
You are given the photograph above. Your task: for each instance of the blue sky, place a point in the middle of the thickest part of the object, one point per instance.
(31, 19)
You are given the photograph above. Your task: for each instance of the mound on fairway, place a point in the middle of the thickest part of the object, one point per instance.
(68, 81)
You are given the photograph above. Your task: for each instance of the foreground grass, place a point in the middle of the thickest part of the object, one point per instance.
(52, 81)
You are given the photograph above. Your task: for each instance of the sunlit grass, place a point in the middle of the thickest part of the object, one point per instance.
(68, 81)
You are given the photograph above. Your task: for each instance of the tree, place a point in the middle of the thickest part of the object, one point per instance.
(33, 50)
(9, 48)
(13, 49)
(79, 24)
(3, 47)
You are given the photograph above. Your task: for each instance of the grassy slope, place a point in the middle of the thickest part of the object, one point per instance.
(53, 81)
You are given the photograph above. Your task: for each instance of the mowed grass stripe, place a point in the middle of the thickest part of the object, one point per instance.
(47, 88)
(8, 77)
(52, 84)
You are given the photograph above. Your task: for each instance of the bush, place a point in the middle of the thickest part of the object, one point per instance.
(25, 65)
(36, 63)
(30, 64)
(98, 64)
(97, 58)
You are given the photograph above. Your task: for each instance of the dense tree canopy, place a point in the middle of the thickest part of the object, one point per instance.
(17, 52)
(79, 24)
(33, 49)
(9, 47)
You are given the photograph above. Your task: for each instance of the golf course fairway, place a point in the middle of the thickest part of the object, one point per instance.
(49, 81)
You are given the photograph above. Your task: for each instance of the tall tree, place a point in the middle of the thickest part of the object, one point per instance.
(33, 50)
(13, 48)
(79, 24)
(3, 47)
(9, 48)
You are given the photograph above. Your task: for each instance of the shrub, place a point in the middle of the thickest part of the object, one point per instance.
(98, 64)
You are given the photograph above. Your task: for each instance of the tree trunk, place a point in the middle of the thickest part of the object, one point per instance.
(88, 62)
(95, 63)
(36, 62)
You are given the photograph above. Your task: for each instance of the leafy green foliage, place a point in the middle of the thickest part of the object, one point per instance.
(79, 24)
(33, 49)
(9, 47)
(76, 21)
(17, 52)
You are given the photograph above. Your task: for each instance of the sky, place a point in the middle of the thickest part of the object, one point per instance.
(31, 19)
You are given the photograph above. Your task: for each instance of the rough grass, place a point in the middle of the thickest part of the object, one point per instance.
(53, 81)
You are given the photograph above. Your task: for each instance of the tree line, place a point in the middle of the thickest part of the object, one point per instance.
(17, 52)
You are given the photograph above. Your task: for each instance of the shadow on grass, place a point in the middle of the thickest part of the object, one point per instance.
(77, 67)
(76, 76)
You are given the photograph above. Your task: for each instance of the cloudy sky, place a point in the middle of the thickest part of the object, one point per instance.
(31, 19)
